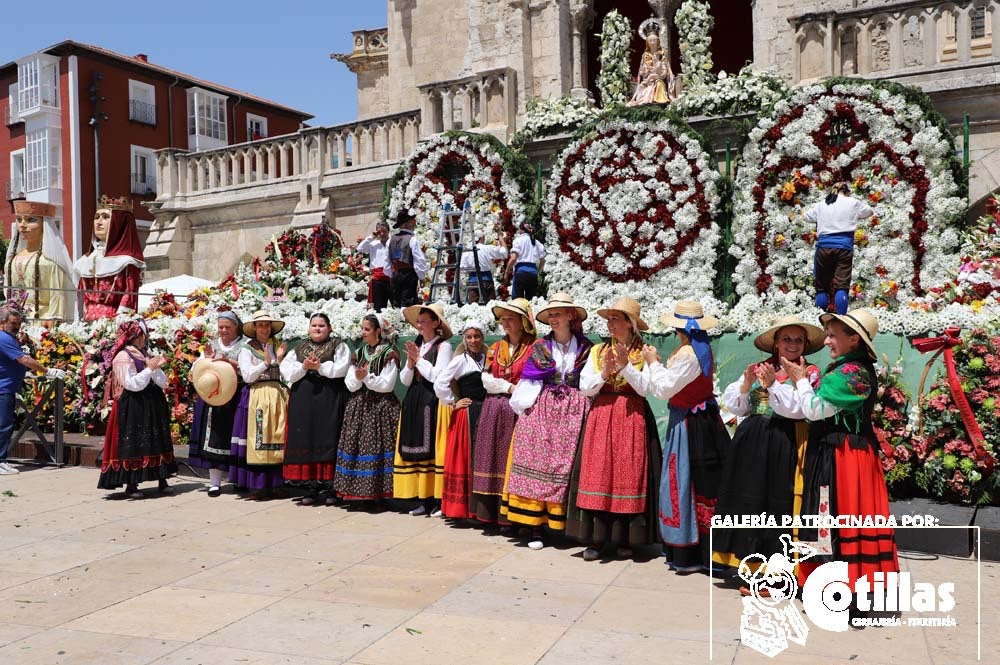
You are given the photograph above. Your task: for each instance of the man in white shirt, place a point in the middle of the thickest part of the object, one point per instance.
(376, 246)
(481, 287)
(407, 261)
(836, 220)
(527, 258)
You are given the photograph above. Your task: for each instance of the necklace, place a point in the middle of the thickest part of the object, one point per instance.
(479, 359)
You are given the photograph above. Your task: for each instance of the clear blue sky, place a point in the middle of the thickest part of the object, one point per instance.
(278, 50)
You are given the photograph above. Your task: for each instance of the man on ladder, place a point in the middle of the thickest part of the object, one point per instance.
(527, 257)
(409, 265)
(480, 286)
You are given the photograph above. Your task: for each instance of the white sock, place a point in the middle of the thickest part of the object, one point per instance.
(215, 477)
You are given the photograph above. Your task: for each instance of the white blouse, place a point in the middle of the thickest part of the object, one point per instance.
(129, 379)
(292, 371)
(591, 380)
(427, 370)
(800, 403)
(682, 368)
(383, 382)
(457, 368)
(251, 367)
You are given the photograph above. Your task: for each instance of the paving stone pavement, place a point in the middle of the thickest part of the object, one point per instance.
(86, 577)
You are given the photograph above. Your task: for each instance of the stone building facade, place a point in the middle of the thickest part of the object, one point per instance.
(475, 65)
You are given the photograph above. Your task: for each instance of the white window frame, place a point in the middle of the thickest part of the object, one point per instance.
(206, 114)
(41, 159)
(139, 91)
(13, 110)
(259, 120)
(17, 184)
(148, 185)
(38, 82)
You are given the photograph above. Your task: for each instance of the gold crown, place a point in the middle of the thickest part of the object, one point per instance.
(120, 203)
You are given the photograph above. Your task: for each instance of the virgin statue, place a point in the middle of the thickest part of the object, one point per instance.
(656, 81)
(110, 275)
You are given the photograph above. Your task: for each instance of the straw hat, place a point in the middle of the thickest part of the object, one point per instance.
(814, 335)
(413, 311)
(560, 301)
(629, 308)
(861, 322)
(689, 309)
(214, 380)
(261, 315)
(518, 306)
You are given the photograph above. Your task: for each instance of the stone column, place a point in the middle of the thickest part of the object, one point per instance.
(447, 110)
(341, 151)
(829, 36)
(896, 24)
(963, 35)
(484, 102)
(582, 13)
(467, 108)
(928, 21)
(995, 20)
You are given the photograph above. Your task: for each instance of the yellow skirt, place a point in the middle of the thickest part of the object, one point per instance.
(266, 411)
(530, 512)
(423, 480)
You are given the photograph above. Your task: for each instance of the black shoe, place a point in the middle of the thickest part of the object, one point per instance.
(214, 491)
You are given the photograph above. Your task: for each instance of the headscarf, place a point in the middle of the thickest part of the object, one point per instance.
(700, 344)
(230, 315)
(127, 332)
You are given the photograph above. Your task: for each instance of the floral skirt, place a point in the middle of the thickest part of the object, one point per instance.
(367, 444)
(490, 451)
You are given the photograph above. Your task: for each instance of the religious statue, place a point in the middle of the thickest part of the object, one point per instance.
(39, 274)
(110, 274)
(656, 81)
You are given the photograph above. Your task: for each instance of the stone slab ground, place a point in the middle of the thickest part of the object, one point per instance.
(86, 577)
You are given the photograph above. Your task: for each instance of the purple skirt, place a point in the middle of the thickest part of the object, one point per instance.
(492, 445)
(257, 476)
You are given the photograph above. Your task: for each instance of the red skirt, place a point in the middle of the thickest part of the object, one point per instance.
(860, 490)
(613, 458)
(457, 481)
(316, 471)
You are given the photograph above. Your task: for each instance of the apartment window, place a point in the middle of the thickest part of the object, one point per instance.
(15, 186)
(206, 114)
(37, 83)
(256, 127)
(143, 170)
(13, 114)
(141, 102)
(41, 159)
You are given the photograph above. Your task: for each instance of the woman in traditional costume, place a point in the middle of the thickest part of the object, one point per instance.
(617, 471)
(212, 426)
(38, 272)
(504, 363)
(418, 471)
(552, 409)
(371, 419)
(460, 385)
(843, 474)
(696, 442)
(110, 275)
(763, 474)
(316, 371)
(258, 444)
(137, 443)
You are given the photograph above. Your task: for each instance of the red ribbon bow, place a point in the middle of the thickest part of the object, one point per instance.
(944, 344)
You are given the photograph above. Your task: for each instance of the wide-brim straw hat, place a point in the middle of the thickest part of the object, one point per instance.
(814, 335)
(213, 380)
(686, 310)
(860, 321)
(630, 308)
(261, 315)
(518, 306)
(413, 311)
(560, 301)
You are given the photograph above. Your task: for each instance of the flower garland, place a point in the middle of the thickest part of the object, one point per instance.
(496, 180)
(749, 91)
(895, 154)
(545, 117)
(893, 432)
(614, 82)
(631, 205)
(694, 27)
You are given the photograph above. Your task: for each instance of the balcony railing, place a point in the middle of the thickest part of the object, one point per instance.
(14, 189)
(143, 112)
(315, 151)
(487, 99)
(12, 115)
(143, 183)
(893, 38)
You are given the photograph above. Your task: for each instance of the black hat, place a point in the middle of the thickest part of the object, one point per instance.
(402, 217)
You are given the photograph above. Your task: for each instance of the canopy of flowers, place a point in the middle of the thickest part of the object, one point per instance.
(631, 205)
(694, 26)
(897, 154)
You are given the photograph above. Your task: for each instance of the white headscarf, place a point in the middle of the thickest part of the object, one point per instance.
(53, 248)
